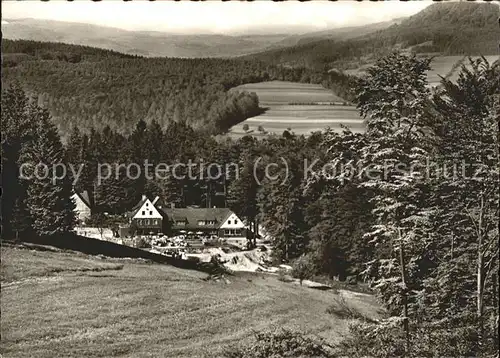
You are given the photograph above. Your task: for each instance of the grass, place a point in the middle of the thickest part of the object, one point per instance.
(61, 304)
(300, 106)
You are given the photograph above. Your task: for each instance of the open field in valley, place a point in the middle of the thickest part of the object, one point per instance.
(63, 304)
(450, 67)
(302, 107)
(305, 108)
(445, 66)
(466, 63)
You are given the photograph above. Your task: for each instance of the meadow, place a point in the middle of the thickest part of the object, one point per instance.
(66, 304)
(304, 108)
(299, 107)
(445, 66)
(465, 61)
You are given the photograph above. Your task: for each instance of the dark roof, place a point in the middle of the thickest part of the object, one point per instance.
(193, 215)
(136, 207)
(85, 197)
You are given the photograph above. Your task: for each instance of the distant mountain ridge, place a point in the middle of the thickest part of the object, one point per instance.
(163, 44)
(339, 34)
(463, 28)
(145, 43)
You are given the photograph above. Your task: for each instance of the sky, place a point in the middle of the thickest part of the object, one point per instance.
(214, 17)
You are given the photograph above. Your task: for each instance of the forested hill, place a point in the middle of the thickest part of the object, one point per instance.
(92, 88)
(467, 28)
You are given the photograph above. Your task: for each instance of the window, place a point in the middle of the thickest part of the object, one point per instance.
(201, 222)
(150, 212)
(229, 222)
(143, 212)
(237, 232)
(147, 204)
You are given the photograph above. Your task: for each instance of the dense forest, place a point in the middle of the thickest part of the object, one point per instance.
(465, 28)
(87, 88)
(411, 206)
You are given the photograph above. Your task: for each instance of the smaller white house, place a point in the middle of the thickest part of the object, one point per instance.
(233, 230)
(83, 209)
(146, 217)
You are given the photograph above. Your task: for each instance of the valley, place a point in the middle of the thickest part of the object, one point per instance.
(237, 188)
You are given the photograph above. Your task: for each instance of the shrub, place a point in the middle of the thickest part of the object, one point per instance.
(303, 268)
(351, 280)
(341, 309)
(283, 277)
(194, 259)
(141, 243)
(387, 339)
(283, 343)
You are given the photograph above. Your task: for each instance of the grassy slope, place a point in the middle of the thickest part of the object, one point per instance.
(64, 304)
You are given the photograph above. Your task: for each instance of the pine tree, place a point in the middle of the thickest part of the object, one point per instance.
(48, 200)
(243, 190)
(21, 219)
(15, 131)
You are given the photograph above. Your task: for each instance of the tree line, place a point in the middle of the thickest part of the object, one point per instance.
(32, 204)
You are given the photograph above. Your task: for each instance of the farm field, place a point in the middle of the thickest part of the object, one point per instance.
(466, 63)
(63, 304)
(303, 108)
(445, 66)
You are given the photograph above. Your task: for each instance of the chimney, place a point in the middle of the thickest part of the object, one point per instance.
(172, 205)
(156, 199)
(143, 197)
